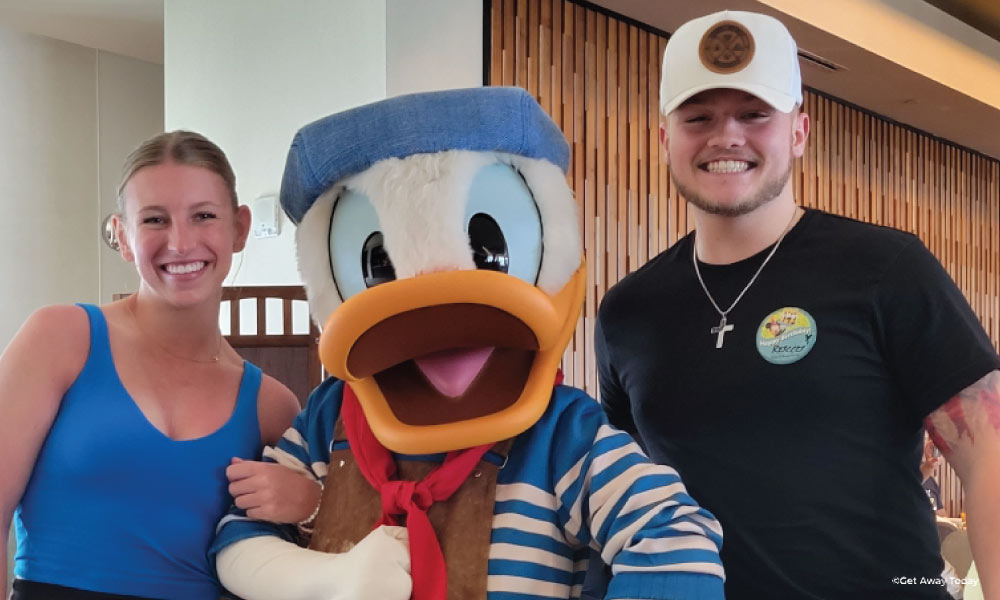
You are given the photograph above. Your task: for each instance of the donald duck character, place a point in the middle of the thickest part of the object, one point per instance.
(440, 248)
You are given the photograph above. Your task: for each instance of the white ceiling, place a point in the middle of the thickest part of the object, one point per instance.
(128, 27)
(863, 78)
(135, 28)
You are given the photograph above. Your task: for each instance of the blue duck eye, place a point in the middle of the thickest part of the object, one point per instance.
(358, 259)
(504, 226)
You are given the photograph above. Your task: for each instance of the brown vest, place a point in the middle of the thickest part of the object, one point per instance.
(350, 507)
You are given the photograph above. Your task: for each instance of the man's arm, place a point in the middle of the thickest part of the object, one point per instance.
(613, 396)
(967, 431)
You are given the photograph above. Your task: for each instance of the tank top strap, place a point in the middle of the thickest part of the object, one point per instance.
(246, 398)
(100, 344)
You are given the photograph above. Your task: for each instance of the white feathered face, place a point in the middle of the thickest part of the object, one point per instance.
(447, 286)
(454, 210)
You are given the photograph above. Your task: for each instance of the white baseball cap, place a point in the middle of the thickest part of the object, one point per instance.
(732, 49)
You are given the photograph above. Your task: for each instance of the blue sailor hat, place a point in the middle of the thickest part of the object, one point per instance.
(489, 119)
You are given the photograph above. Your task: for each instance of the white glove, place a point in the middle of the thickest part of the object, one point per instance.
(269, 568)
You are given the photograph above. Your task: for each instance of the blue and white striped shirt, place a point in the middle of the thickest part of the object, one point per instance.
(570, 482)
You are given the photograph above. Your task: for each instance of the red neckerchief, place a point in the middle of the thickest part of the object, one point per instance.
(427, 567)
(430, 578)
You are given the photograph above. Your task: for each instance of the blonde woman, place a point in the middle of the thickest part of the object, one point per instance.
(118, 421)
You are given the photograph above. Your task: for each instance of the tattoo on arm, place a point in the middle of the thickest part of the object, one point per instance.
(974, 408)
(936, 437)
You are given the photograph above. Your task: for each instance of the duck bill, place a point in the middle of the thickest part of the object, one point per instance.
(453, 359)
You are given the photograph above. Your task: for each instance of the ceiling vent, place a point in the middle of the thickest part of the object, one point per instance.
(819, 61)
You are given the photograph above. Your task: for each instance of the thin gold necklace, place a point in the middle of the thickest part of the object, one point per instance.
(149, 338)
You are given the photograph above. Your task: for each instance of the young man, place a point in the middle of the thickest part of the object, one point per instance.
(785, 361)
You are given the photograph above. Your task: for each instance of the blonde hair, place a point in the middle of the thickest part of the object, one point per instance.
(183, 148)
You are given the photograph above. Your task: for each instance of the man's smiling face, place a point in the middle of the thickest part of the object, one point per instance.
(730, 152)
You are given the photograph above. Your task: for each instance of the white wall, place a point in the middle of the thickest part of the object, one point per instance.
(51, 149)
(129, 111)
(48, 176)
(68, 117)
(249, 73)
(71, 114)
(433, 45)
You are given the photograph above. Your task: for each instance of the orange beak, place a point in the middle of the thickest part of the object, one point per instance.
(381, 340)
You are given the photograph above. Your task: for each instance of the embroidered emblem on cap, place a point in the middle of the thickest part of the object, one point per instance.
(726, 48)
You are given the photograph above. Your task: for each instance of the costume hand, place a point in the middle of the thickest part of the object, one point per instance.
(380, 567)
(272, 492)
(269, 568)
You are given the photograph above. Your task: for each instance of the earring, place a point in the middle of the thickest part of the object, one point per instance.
(108, 233)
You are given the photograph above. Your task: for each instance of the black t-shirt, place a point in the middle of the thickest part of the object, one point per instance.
(802, 433)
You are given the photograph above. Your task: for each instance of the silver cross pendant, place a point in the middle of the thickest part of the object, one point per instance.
(720, 331)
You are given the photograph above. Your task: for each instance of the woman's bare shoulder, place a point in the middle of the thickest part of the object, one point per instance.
(57, 327)
(276, 408)
(54, 339)
(66, 316)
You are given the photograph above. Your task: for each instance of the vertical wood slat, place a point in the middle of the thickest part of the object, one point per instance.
(642, 153)
(555, 108)
(667, 193)
(598, 78)
(521, 37)
(600, 157)
(589, 211)
(496, 42)
(621, 250)
(286, 318)
(579, 152)
(652, 143)
(534, 42)
(611, 204)
(507, 67)
(261, 317)
(633, 151)
(545, 56)
(234, 317)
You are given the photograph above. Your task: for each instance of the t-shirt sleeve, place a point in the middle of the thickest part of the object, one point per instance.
(933, 343)
(614, 398)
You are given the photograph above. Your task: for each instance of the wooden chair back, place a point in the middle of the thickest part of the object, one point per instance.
(291, 358)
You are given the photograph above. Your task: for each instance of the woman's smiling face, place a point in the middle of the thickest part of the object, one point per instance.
(181, 229)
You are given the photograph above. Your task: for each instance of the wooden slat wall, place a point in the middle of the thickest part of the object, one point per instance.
(598, 77)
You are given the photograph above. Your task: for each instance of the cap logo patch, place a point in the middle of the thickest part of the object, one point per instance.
(726, 48)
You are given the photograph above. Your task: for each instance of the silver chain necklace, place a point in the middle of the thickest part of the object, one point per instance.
(724, 327)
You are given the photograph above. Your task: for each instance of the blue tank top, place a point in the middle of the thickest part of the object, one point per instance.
(114, 505)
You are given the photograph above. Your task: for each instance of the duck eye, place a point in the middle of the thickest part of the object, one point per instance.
(354, 231)
(489, 248)
(375, 263)
(504, 225)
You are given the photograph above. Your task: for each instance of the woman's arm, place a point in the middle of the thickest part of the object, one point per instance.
(36, 369)
(276, 408)
(265, 490)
